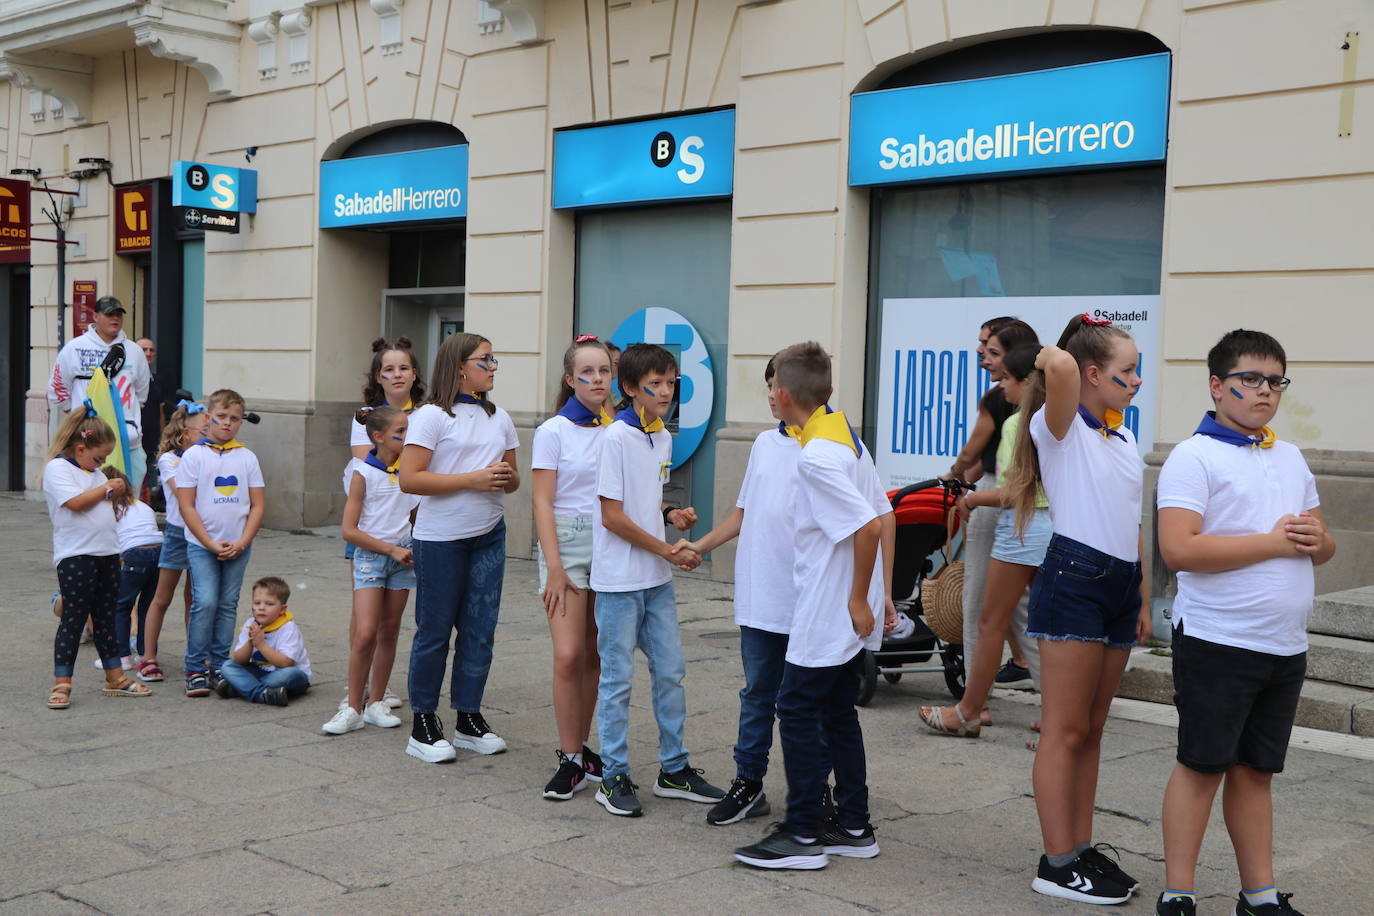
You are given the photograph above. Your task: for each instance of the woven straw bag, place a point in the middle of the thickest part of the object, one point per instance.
(942, 599)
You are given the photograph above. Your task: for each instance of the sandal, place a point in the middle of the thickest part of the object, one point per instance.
(934, 718)
(61, 696)
(125, 688)
(149, 672)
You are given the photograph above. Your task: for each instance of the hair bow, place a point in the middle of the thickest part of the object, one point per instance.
(90, 408)
(1096, 322)
(192, 408)
(586, 338)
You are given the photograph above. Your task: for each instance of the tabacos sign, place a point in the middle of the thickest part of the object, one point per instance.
(1111, 113)
(14, 221)
(133, 219)
(688, 157)
(416, 186)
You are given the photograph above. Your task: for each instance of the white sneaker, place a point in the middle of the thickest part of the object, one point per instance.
(345, 720)
(473, 733)
(391, 700)
(379, 714)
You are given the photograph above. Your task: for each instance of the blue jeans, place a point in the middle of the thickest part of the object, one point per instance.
(137, 586)
(215, 586)
(252, 682)
(819, 727)
(763, 654)
(458, 587)
(648, 619)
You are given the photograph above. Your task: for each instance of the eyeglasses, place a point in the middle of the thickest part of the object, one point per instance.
(1257, 380)
(488, 363)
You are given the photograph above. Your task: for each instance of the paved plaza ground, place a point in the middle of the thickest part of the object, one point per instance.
(171, 805)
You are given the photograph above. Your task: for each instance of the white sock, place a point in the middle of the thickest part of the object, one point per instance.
(805, 840)
(575, 758)
(853, 832)
(1262, 896)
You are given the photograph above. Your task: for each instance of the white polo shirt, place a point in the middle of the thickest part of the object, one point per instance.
(386, 507)
(571, 450)
(90, 533)
(1240, 490)
(837, 494)
(221, 480)
(765, 594)
(167, 464)
(633, 468)
(286, 639)
(467, 441)
(1093, 485)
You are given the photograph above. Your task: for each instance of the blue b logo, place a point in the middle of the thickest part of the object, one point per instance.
(696, 383)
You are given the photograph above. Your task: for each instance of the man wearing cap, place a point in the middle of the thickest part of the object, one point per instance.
(104, 344)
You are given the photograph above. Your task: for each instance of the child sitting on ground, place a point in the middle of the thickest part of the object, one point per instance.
(269, 663)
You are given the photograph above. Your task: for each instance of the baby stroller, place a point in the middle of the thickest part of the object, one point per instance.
(922, 511)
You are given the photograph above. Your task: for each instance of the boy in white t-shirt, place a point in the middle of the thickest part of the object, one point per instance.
(842, 572)
(269, 663)
(1240, 522)
(220, 492)
(633, 580)
(765, 595)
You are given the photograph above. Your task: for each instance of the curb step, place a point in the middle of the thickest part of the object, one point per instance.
(1348, 614)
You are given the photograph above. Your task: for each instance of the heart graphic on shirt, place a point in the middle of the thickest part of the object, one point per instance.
(227, 485)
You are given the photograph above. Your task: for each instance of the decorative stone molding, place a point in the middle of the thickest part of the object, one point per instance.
(55, 107)
(296, 24)
(64, 77)
(210, 46)
(526, 18)
(264, 34)
(389, 12)
(38, 108)
(489, 20)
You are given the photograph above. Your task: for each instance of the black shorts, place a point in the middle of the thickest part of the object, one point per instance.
(1235, 706)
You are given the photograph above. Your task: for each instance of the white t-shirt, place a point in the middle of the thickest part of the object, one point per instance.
(765, 593)
(837, 494)
(221, 481)
(467, 441)
(633, 470)
(167, 464)
(357, 435)
(571, 450)
(138, 527)
(1093, 486)
(90, 533)
(1239, 490)
(386, 507)
(285, 639)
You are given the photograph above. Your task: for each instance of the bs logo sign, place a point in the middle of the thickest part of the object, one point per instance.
(664, 149)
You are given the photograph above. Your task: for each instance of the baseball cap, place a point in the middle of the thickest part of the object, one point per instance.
(108, 305)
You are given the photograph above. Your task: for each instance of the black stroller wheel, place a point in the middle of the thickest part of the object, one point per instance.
(953, 657)
(893, 677)
(868, 678)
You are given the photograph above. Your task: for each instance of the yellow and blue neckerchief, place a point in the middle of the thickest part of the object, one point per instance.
(577, 412)
(257, 658)
(228, 446)
(829, 424)
(471, 399)
(1111, 428)
(635, 417)
(409, 408)
(1210, 427)
(371, 460)
(789, 432)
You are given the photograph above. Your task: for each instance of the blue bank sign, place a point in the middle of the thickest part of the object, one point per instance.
(683, 158)
(414, 186)
(1092, 115)
(214, 187)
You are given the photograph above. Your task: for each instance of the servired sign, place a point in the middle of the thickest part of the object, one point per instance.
(14, 221)
(133, 219)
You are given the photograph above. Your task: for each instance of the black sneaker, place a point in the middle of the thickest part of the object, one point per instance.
(1176, 906)
(1282, 908)
(781, 849)
(1107, 866)
(568, 779)
(1077, 882)
(744, 799)
(687, 783)
(1011, 672)
(222, 687)
(840, 842)
(617, 795)
(473, 732)
(591, 764)
(274, 696)
(427, 741)
(197, 685)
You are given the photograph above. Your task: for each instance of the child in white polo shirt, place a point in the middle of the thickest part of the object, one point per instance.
(220, 492)
(1240, 522)
(765, 596)
(842, 573)
(269, 663)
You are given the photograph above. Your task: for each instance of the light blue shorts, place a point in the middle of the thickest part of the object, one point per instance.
(173, 555)
(1025, 550)
(574, 549)
(377, 570)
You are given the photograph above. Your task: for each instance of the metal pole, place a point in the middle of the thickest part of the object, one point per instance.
(61, 286)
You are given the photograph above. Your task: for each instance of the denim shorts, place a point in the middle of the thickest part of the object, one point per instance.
(377, 570)
(574, 550)
(349, 550)
(1025, 549)
(1084, 594)
(173, 555)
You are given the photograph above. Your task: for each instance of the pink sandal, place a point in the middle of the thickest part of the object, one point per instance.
(148, 671)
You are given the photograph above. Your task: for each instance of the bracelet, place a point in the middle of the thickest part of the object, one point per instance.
(667, 510)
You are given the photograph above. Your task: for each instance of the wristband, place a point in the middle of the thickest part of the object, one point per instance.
(667, 510)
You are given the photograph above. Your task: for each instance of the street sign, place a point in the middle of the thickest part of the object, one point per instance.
(214, 187)
(83, 306)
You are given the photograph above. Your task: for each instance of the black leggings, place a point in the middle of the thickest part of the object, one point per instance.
(90, 588)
